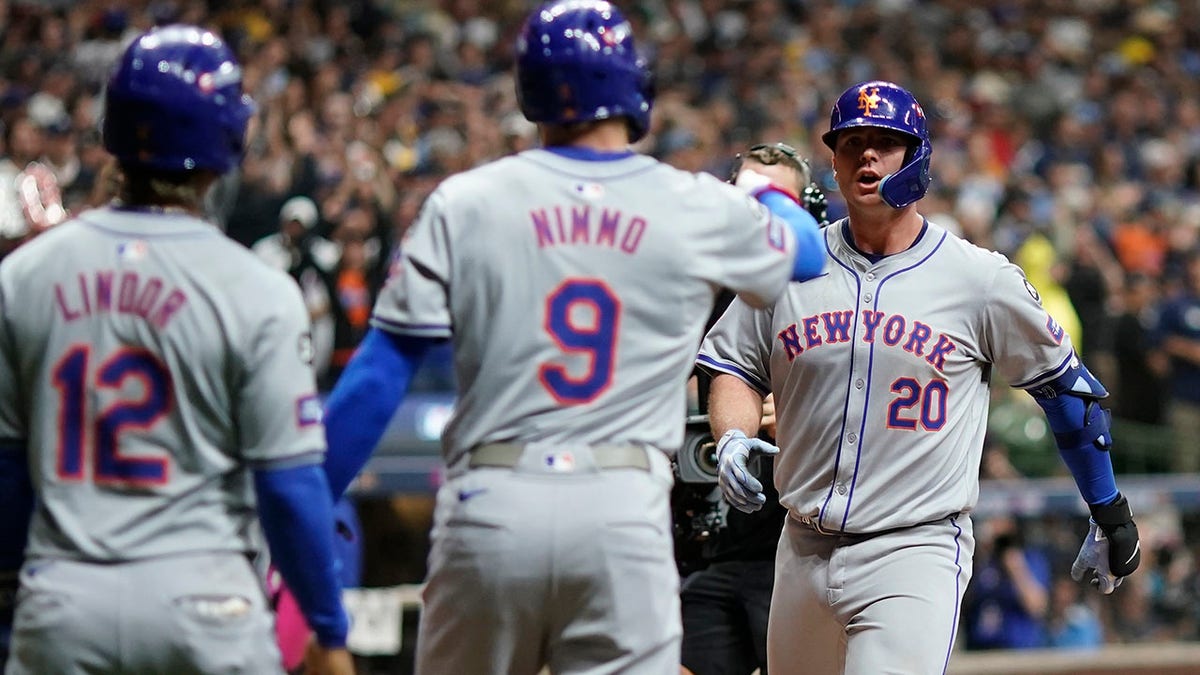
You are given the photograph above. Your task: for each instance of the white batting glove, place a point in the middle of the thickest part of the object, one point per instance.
(738, 486)
(1093, 555)
(752, 181)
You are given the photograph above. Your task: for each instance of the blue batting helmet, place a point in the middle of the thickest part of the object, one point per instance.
(175, 103)
(576, 62)
(889, 106)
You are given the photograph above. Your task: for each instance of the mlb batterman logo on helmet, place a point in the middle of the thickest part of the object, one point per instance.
(868, 99)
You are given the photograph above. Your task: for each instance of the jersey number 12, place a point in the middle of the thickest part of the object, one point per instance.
(84, 434)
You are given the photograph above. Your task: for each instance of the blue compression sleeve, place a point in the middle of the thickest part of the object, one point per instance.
(1091, 466)
(16, 503)
(364, 400)
(810, 246)
(297, 519)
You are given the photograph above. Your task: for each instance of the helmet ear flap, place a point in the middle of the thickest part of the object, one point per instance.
(910, 183)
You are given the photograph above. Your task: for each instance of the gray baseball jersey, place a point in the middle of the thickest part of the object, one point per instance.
(575, 293)
(881, 374)
(880, 371)
(149, 361)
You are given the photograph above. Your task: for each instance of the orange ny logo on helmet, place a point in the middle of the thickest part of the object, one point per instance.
(868, 100)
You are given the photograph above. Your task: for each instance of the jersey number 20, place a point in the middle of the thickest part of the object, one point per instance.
(582, 316)
(931, 398)
(84, 433)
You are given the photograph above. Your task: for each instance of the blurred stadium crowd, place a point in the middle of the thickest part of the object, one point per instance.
(1066, 135)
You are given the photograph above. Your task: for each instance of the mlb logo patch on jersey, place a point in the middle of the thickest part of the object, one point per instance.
(308, 411)
(132, 251)
(559, 460)
(589, 191)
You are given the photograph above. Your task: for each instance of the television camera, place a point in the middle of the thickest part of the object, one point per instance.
(696, 506)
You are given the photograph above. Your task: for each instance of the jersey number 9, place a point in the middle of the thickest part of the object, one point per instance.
(582, 316)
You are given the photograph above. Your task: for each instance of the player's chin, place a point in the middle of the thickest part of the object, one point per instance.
(866, 197)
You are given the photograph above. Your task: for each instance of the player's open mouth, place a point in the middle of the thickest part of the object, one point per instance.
(868, 178)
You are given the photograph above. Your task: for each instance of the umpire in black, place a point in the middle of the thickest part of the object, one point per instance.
(726, 599)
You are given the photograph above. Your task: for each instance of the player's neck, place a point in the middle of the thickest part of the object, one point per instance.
(179, 193)
(603, 135)
(885, 233)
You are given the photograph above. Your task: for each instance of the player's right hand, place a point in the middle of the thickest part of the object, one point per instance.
(739, 487)
(327, 660)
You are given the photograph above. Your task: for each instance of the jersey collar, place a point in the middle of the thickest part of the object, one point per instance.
(876, 258)
(589, 154)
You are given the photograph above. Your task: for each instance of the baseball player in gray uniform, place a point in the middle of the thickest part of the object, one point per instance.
(880, 371)
(574, 281)
(154, 405)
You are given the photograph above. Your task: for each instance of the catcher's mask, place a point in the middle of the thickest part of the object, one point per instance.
(768, 154)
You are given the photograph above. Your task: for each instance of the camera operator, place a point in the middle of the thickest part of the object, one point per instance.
(728, 556)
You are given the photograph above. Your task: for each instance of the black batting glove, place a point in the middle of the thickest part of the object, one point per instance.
(1111, 550)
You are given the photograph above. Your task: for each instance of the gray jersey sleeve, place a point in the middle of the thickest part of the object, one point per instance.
(739, 344)
(746, 248)
(277, 368)
(1019, 336)
(415, 299)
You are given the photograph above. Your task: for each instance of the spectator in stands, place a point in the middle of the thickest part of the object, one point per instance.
(1072, 622)
(1006, 603)
(1173, 591)
(1093, 283)
(357, 280)
(1140, 390)
(1179, 329)
(311, 260)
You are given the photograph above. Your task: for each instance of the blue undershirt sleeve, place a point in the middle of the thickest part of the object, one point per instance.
(16, 503)
(365, 398)
(810, 246)
(296, 512)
